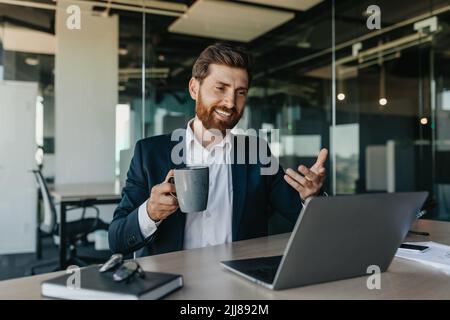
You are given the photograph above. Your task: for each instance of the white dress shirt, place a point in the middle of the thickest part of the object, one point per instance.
(212, 226)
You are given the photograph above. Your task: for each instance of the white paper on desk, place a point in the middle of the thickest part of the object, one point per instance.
(437, 256)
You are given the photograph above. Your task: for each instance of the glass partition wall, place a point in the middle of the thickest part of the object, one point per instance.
(376, 95)
(368, 80)
(326, 75)
(291, 87)
(391, 81)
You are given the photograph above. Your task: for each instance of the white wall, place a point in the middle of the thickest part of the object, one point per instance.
(86, 94)
(17, 149)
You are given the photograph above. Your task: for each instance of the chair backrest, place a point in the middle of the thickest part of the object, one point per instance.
(49, 223)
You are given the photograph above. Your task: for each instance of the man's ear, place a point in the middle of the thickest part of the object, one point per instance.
(194, 87)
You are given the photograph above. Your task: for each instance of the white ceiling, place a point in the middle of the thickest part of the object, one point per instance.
(301, 5)
(228, 20)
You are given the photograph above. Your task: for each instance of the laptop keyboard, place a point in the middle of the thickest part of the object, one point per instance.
(263, 269)
(266, 275)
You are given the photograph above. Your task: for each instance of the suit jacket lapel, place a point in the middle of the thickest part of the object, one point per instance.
(181, 217)
(178, 150)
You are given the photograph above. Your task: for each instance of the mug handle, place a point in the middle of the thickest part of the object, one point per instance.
(172, 181)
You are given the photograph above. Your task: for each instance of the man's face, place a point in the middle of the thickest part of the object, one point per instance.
(220, 98)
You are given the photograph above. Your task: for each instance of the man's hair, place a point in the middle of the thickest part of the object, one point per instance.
(222, 54)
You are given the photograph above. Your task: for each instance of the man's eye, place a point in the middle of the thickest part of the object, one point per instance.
(219, 88)
(242, 93)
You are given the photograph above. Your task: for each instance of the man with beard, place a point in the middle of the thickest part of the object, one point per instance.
(240, 199)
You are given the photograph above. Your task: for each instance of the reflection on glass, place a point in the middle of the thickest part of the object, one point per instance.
(395, 93)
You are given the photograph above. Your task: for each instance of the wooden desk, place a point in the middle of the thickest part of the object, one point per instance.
(79, 195)
(204, 278)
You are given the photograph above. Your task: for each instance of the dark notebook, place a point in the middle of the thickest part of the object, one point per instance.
(101, 286)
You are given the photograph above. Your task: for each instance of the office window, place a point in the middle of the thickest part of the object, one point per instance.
(391, 80)
(391, 87)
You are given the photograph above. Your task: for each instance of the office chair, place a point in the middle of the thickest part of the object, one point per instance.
(76, 231)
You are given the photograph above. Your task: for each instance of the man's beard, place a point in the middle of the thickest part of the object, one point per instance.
(209, 119)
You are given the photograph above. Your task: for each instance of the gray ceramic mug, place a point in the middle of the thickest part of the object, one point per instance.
(192, 188)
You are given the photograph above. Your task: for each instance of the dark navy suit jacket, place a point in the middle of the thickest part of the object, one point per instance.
(255, 196)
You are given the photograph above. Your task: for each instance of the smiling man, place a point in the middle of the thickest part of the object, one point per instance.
(148, 217)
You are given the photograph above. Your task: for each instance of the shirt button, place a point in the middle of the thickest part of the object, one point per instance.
(208, 215)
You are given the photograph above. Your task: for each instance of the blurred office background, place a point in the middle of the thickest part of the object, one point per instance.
(74, 101)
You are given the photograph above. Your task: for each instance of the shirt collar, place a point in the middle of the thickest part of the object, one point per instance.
(191, 139)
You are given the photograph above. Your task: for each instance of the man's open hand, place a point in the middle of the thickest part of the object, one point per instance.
(308, 182)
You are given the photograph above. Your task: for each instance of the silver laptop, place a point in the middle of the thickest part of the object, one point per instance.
(337, 238)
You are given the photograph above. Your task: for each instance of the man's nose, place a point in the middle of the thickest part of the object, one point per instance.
(229, 100)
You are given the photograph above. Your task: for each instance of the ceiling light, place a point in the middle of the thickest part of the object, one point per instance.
(303, 44)
(383, 100)
(123, 51)
(340, 85)
(424, 121)
(32, 61)
(341, 96)
(161, 57)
